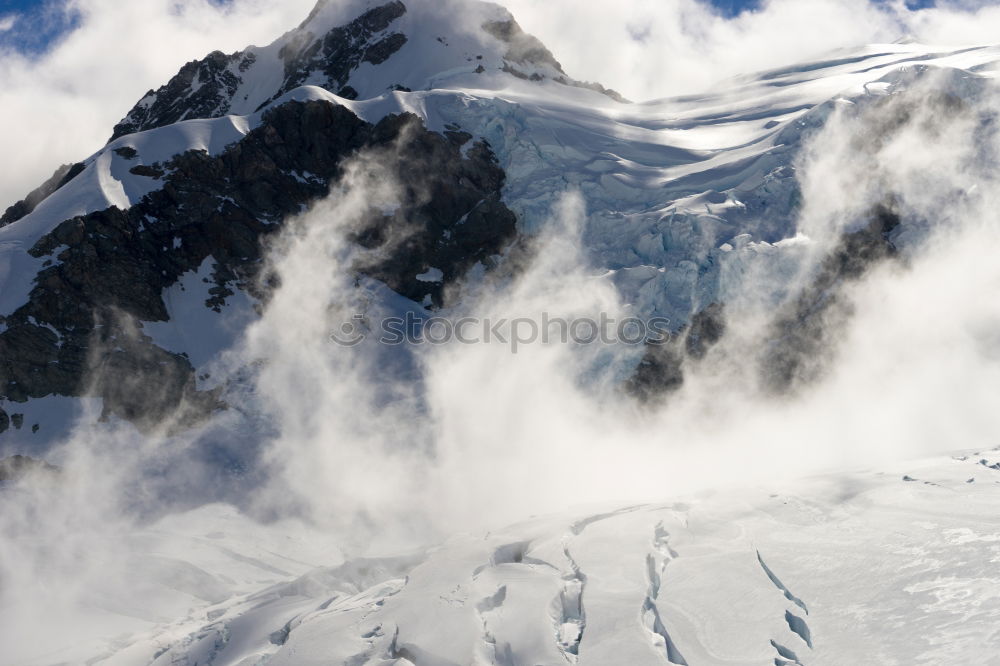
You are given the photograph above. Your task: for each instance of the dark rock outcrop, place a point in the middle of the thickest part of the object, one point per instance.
(803, 336)
(78, 333)
(452, 216)
(201, 89)
(63, 175)
(525, 51)
(206, 88)
(522, 48)
(661, 370)
(342, 50)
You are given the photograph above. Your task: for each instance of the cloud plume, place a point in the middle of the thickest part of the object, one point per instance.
(383, 450)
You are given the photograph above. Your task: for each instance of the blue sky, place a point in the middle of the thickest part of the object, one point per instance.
(39, 23)
(734, 7)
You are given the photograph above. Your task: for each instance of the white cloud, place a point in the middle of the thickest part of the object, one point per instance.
(550, 422)
(61, 107)
(514, 435)
(661, 48)
(7, 22)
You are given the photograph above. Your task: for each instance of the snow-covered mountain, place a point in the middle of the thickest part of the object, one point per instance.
(679, 192)
(358, 51)
(431, 158)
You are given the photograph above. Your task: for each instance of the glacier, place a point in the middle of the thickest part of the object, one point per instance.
(442, 506)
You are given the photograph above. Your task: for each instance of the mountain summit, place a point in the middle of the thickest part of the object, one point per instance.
(357, 50)
(234, 477)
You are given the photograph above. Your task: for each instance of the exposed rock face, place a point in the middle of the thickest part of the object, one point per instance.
(801, 339)
(342, 50)
(207, 88)
(214, 86)
(77, 334)
(661, 370)
(452, 215)
(804, 332)
(202, 89)
(526, 52)
(63, 175)
(523, 49)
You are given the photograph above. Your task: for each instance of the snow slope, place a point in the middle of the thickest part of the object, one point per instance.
(675, 189)
(863, 568)
(873, 568)
(638, 165)
(175, 568)
(107, 180)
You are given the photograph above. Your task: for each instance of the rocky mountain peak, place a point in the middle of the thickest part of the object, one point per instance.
(358, 50)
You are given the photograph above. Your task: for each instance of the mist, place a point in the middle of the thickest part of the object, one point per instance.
(389, 450)
(59, 106)
(479, 435)
(662, 49)
(407, 443)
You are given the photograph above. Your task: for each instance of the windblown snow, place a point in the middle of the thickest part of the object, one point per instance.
(684, 198)
(648, 169)
(877, 568)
